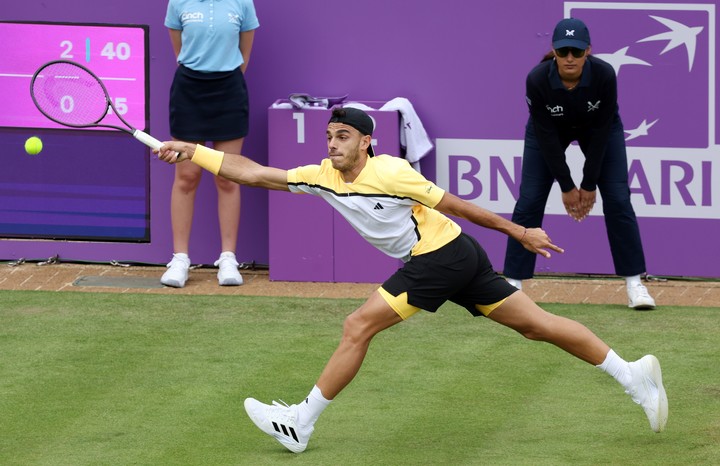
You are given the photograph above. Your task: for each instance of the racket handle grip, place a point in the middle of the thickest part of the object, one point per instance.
(147, 139)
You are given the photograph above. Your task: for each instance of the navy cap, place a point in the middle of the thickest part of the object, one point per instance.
(571, 32)
(356, 118)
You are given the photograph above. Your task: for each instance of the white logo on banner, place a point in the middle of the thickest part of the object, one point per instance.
(673, 161)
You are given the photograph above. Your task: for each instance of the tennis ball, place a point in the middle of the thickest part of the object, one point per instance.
(33, 145)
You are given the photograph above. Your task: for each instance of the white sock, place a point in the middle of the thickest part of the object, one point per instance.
(633, 281)
(618, 368)
(516, 283)
(182, 256)
(310, 409)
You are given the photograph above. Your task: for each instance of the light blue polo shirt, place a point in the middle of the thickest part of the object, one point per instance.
(211, 31)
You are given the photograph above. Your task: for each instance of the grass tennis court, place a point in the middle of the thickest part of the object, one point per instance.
(109, 379)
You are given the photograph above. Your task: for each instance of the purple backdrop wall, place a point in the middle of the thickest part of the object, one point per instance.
(462, 66)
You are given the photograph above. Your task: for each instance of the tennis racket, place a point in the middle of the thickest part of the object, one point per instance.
(72, 95)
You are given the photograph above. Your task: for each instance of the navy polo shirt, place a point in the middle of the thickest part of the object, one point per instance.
(584, 114)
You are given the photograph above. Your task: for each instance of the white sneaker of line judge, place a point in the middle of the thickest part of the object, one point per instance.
(228, 274)
(639, 298)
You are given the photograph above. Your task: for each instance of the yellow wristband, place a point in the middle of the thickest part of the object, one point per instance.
(207, 158)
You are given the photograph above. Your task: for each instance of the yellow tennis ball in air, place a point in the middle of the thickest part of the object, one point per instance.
(33, 145)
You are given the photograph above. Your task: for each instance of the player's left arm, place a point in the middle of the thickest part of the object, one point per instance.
(533, 239)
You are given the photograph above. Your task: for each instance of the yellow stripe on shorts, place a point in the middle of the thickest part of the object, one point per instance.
(401, 307)
(486, 309)
(399, 304)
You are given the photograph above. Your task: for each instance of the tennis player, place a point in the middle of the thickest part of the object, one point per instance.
(441, 263)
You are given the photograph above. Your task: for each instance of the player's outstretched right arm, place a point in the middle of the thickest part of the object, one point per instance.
(234, 167)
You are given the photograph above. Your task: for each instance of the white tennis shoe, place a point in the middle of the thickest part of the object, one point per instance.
(177, 271)
(228, 274)
(639, 298)
(647, 390)
(279, 421)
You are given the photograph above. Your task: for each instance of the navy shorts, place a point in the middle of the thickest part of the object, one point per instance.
(459, 272)
(208, 106)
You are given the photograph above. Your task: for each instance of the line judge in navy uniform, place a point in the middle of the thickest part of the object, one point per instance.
(572, 96)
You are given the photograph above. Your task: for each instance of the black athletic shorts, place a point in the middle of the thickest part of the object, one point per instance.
(459, 272)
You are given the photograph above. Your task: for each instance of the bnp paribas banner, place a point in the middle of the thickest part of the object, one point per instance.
(664, 56)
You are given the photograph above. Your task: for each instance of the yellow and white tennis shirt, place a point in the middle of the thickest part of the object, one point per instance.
(389, 204)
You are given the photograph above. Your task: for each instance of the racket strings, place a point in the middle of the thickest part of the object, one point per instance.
(70, 95)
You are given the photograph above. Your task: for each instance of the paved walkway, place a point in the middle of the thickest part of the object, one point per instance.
(143, 279)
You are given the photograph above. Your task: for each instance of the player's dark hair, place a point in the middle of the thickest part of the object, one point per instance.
(338, 112)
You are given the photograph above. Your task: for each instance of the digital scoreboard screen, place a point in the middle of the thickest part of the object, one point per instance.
(116, 54)
(85, 184)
